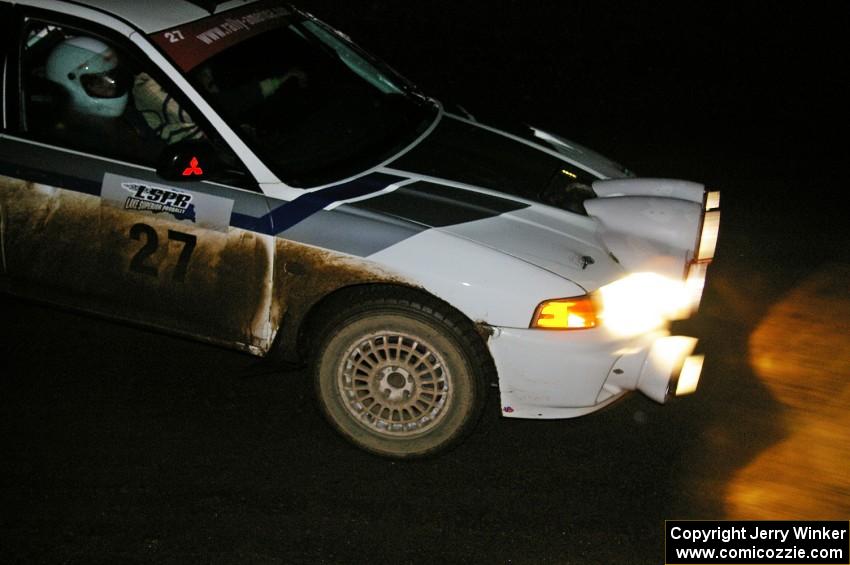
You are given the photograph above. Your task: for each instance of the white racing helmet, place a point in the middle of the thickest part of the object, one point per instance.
(88, 69)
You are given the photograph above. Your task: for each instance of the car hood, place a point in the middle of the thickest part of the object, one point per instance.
(526, 162)
(560, 242)
(493, 188)
(568, 249)
(487, 187)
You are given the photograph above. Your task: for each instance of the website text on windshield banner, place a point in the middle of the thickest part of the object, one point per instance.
(191, 44)
(695, 542)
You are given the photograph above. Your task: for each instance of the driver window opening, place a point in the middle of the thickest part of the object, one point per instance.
(84, 93)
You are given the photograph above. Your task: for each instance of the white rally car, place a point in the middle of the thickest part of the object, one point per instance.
(241, 173)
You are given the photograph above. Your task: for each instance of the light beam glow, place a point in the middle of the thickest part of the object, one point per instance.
(642, 302)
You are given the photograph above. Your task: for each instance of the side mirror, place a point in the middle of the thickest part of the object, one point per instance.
(188, 161)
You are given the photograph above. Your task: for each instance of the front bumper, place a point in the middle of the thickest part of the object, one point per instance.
(545, 374)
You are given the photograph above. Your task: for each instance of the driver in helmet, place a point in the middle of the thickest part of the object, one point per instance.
(99, 88)
(88, 69)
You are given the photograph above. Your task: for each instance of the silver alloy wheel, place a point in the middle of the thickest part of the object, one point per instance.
(395, 384)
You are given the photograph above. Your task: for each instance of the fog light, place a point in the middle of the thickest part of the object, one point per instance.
(689, 377)
(695, 284)
(708, 236)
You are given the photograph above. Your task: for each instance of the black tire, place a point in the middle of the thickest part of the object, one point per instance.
(399, 374)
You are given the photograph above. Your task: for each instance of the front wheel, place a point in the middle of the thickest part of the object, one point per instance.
(400, 377)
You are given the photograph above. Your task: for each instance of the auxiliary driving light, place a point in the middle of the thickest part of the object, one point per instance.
(708, 236)
(689, 377)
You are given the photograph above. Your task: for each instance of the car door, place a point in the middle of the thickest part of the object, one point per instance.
(35, 211)
(92, 223)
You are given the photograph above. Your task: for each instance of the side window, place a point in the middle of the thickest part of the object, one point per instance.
(83, 92)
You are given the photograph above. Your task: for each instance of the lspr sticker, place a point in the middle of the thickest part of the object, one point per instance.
(160, 201)
(185, 206)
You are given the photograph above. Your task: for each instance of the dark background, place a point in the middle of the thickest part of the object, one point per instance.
(122, 446)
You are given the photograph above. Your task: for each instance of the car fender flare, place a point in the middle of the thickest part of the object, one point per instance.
(303, 275)
(313, 317)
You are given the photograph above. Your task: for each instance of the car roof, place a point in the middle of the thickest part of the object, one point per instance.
(152, 15)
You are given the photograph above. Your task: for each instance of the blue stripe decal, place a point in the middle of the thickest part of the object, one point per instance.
(251, 223)
(278, 220)
(50, 178)
(290, 213)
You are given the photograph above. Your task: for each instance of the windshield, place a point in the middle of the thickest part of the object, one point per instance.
(314, 107)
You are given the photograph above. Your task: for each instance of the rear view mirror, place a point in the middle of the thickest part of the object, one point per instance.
(188, 161)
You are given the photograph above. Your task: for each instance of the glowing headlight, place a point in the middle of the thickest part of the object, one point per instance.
(689, 376)
(695, 283)
(642, 302)
(708, 235)
(705, 248)
(565, 314)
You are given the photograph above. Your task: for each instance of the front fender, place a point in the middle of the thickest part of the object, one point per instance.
(485, 284)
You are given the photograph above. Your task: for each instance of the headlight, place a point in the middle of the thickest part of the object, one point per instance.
(642, 302)
(705, 248)
(565, 314)
(708, 236)
(695, 282)
(632, 305)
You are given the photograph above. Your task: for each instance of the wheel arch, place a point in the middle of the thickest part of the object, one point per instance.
(293, 341)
